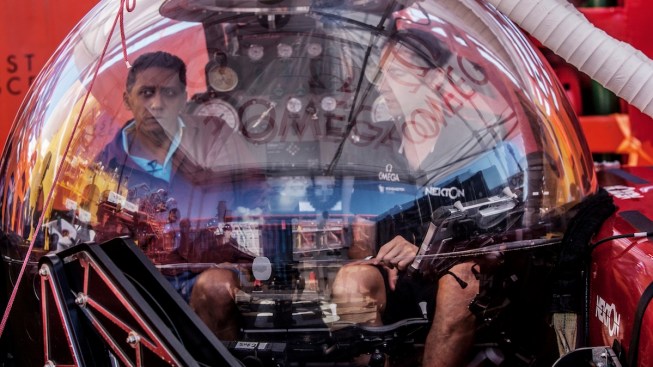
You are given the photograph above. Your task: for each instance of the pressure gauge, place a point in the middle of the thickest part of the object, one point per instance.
(328, 104)
(381, 111)
(294, 105)
(219, 111)
(284, 50)
(258, 118)
(255, 52)
(314, 49)
(222, 78)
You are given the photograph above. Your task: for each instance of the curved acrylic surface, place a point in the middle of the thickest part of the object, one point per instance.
(312, 134)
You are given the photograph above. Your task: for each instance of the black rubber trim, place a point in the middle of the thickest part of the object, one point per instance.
(627, 176)
(638, 220)
(644, 301)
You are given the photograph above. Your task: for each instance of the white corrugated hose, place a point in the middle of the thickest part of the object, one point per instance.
(559, 26)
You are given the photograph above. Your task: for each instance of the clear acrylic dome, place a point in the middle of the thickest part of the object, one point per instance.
(312, 133)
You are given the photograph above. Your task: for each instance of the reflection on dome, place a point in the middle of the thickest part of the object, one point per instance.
(305, 129)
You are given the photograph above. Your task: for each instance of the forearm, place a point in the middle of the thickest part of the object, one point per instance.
(452, 332)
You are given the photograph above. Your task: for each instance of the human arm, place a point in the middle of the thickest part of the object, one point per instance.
(452, 332)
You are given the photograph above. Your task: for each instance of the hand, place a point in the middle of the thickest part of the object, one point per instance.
(394, 256)
(398, 253)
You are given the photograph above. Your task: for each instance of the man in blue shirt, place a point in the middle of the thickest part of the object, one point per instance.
(155, 156)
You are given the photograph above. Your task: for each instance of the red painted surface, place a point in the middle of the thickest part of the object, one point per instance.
(30, 31)
(611, 20)
(571, 84)
(622, 269)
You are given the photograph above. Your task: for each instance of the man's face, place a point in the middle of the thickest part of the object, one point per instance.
(155, 100)
(405, 87)
(402, 83)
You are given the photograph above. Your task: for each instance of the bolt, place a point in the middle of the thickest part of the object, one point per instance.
(133, 338)
(81, 299)
(44, 271)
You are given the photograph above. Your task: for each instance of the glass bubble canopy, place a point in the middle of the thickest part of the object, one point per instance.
(311, 133)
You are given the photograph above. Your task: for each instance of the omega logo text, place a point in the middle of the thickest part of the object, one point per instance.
(388, 175)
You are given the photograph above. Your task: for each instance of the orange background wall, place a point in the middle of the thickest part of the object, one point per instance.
(30, 31)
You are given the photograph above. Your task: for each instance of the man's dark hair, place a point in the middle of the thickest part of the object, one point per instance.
(158, 59)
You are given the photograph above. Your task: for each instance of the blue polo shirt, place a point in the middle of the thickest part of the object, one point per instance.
(160, 171)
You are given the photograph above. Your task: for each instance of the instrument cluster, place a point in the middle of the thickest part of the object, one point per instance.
(274, 80)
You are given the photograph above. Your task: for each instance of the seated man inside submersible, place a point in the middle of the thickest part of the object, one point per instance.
(153, 155)
(380, 288)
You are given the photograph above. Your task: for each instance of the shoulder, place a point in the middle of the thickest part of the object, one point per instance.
(114, 150)
(206, 142)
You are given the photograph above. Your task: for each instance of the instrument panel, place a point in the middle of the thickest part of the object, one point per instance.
(283, 83)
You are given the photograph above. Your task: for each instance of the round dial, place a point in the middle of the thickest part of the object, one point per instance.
(255, 52)
(328, 104)
(314, 49)
(258, 118)
(294, 105)
(284, 50)
(218, 112)
(381, 111)
(222, 78)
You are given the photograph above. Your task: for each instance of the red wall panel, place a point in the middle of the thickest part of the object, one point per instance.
(30, 31)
